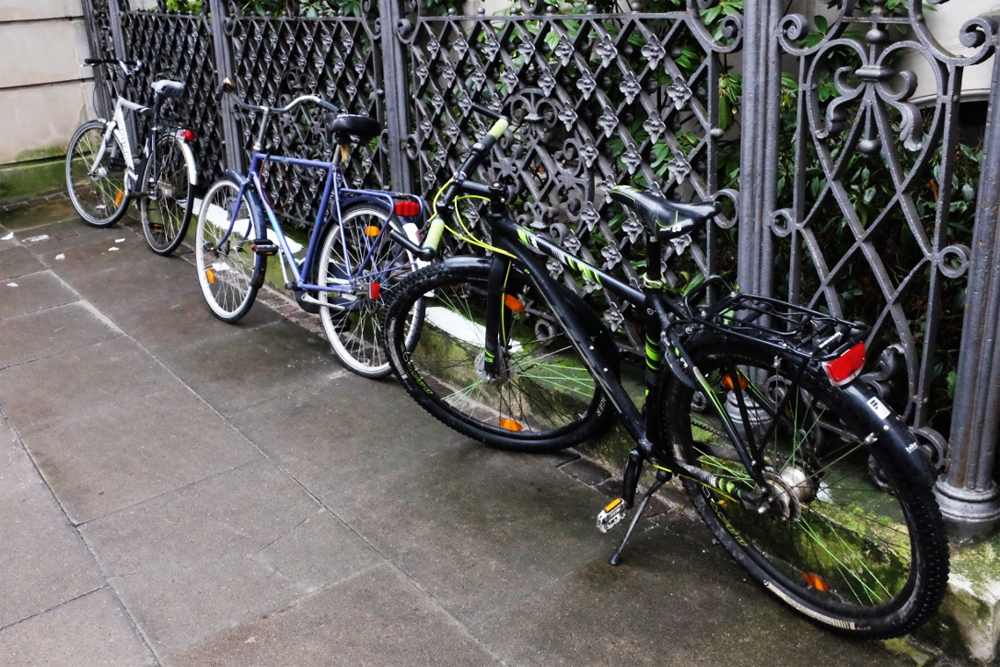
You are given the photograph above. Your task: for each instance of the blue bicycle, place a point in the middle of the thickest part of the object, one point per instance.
(362, 241)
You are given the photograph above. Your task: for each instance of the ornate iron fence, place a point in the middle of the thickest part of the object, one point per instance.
(841, 191)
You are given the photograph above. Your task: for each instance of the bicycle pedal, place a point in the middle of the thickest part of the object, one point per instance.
(264, 247)
(611, 515)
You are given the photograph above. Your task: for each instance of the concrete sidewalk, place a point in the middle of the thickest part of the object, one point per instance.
(180, 491)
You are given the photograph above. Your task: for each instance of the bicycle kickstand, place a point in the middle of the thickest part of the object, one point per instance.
(662, 476)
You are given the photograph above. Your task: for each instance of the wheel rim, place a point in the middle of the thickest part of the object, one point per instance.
(225, 263)
(543, 388)
(100, 195)
(830, 536)
(166, 204)
(353, 320)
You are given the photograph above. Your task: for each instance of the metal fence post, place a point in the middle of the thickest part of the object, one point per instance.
(758, 149)
(968, 494)
(397, 102)
(102, 98)
(221, 47)
(117, 36)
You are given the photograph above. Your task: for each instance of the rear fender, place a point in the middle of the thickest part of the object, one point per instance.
(894, 435)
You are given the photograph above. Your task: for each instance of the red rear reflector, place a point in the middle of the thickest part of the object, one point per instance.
(847, 366)
(407, 209)
(375, 291)
(186, 135)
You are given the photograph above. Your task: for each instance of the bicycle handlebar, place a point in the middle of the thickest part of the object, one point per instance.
(228, 86)
(128, 67)
(459, 183)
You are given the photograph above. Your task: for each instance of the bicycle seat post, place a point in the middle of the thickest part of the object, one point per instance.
(258, 144)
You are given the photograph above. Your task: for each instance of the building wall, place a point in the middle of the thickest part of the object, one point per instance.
(44, 91)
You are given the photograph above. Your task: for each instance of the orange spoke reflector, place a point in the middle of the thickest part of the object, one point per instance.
(210, 274)
(513, 303)
(727, 382)
(119, 197)
(815, 581)
(510, 425)
(372, 230)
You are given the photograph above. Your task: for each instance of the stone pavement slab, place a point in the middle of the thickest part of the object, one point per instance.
(253, 364)
(51, 331)
(206, 557)
(90, 631)
(89, 378)
(32, 292)
(43, 561)
(375, 618)
(483, 530)
(17, 261)
(344, 431)
(696, 601)
(113, 457)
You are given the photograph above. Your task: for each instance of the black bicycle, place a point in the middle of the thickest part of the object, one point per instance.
(801, 472)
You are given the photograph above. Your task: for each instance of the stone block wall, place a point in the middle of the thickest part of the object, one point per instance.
(45, 93)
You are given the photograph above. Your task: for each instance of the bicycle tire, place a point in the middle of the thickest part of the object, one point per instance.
(168, 203)
(100, 198)
(230, 272)
(353, 321)
(865, 559)
(545, 400)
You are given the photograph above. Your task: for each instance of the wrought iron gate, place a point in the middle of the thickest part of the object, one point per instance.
(842, 189)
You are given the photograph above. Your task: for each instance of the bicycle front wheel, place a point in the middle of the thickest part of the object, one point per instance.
(845, 539)
(229, 270)
(359, 257)
(169, 196)
(544, 398)
(97, 189)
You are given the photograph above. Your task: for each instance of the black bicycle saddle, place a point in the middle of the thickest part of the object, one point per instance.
(669, 219)
(361, 127)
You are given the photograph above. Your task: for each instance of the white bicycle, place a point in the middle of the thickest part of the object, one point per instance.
(104, 173)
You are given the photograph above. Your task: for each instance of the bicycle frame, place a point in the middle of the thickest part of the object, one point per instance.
(117, 126)
(334, 189)
(662, 313)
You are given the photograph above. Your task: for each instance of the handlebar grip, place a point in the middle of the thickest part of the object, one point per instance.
(93, 61)
(227, 86)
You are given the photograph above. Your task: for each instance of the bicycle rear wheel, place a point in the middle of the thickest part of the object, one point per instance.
(356, 251)
(229, 271)
(544, 399)
(845, 540)
(97, 190)
(166, 209)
